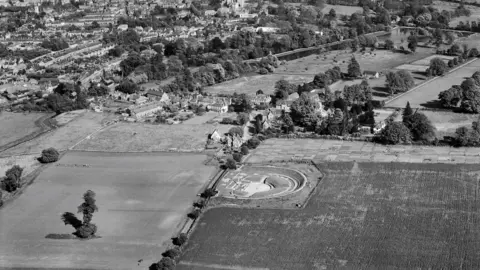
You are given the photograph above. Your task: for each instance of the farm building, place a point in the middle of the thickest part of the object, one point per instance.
(371, 74)
(145, 110)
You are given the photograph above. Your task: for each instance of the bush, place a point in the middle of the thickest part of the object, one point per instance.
(180, 239)
(49, 155)
(194, 214)
(231, 164)
(209, 192)
(228, 121)
(244, 150)
(199, 204)
(165, 263)
(253, 143)
(237, 157)
(263, 71)
(172, 253)
(12, 178)
(236, 131)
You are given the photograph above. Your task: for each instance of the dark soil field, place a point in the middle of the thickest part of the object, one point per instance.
(363, 216)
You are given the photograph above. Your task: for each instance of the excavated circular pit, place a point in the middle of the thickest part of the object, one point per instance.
(260, 182)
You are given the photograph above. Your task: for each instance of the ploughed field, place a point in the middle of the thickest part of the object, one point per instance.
(142, 201)
(362, 216)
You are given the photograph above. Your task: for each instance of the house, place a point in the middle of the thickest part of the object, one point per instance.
(141, 100)
(210, 12)
(379, 127)
(145, 110)
(283, 105)
(154, 94)
(46, 84)
(261, 99)
(122, 27)
(371, 74)
(215, 136)
(220, 105)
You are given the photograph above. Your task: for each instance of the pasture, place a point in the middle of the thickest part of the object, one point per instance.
(447, 122)
(63, 137)
(135, 137)
(15, 126)
(362, 216)
(304, 69)
(426, 96)
(142, 200)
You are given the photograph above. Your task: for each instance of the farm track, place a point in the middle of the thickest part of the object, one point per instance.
(45, 125)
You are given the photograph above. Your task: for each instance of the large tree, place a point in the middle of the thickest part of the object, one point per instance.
(399, 81)
(437, 67)
(395, 132)
(420, 127)
(12, 178)
(84, 229)
(304, 111)
(354, 70)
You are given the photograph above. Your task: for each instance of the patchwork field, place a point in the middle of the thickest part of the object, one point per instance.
(362, 216)
(142, 200)
(426, 96)
(133, 137)
(15, 126)
(303, 70)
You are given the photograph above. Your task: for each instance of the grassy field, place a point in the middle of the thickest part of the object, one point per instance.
(304, 69)
(142, 200)
(447, 122)
(427, 95)
(363, 216)
(15, 126)
(128, 137)
(475, 16)
(63, 137)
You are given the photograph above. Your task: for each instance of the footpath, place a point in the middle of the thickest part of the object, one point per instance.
(330, 150)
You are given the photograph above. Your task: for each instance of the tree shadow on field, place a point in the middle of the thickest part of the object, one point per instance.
(432, 104)
(380, 91)
(61, 236)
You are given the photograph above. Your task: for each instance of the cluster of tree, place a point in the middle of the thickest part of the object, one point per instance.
(49, 155)
(12, 178)
(54, 44)
(465, 96)
(465, 136)
(399, 81)
(83, 229)
(66, 97)
(330, 76)
(415, 126)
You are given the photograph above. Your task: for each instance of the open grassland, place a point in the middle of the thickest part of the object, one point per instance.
(133, 137)
(63, 137)
(426, 96)
(363, 216)
(142, 200)
(475, 16)
(14, 126)
(447, 122)
(304, 69)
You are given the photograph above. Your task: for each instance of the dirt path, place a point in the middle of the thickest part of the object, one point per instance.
(331, 150)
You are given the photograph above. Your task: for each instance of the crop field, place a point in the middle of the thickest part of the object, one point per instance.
(62, 138)
(133, 137)
(15, 126)
(426, 96)
(362, 216)
(304, 69)
(142, 201)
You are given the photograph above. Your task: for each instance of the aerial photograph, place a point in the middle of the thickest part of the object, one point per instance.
(239, 134)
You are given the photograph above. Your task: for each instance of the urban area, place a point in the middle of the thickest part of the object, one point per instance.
(239, 134)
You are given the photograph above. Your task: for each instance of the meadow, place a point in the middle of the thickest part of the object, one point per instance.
(135, 137)
(362, 216)
(426, 96)
(15, 126)
(304, 69)
(63, 137)
(142, 199)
